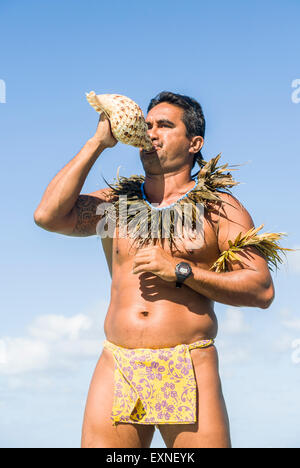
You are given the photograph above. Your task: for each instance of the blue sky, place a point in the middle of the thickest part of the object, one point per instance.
(239, 60)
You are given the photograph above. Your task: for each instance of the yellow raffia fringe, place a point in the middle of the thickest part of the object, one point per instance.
(210, 178)
(266, 243)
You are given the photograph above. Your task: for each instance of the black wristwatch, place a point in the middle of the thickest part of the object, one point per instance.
(183, 270)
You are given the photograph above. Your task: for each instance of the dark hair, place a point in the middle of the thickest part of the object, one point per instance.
(193, 117)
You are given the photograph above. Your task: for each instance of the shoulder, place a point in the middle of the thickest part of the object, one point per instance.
(229, 217)
(227, 206)
(104, 195)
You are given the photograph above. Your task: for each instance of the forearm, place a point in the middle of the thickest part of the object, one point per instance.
(62, 192)
(242, 288)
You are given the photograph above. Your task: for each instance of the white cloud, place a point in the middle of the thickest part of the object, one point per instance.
(56, 327)
(293, 324)
(23, 355)
(283, 343)
(234, 322)
(230, 353)
(233, 342)
(293, 259)
(289, 330)
(289, 320)
(285, 312)
(54, 342)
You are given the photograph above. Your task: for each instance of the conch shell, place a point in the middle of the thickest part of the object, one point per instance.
(126, 118)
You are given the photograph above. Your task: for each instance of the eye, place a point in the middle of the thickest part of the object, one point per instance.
(165, 124)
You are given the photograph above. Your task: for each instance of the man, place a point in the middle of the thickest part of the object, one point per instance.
(147, 310)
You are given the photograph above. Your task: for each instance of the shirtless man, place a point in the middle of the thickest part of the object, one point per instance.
(147, 310)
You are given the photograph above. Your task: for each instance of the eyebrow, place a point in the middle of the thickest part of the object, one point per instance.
(163, 121)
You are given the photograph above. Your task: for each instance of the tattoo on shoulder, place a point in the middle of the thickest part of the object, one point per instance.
(86, 207)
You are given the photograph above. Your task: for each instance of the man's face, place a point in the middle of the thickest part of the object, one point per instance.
(168, 135)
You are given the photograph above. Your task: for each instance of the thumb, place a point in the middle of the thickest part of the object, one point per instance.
(103, 117)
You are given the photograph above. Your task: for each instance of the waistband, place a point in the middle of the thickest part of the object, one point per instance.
(197, 344)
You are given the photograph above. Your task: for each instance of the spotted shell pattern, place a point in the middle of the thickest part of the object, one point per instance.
(126, 118)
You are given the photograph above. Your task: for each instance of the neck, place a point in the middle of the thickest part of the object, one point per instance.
(167, 188)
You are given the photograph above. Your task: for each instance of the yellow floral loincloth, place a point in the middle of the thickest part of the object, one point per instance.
(154, 386)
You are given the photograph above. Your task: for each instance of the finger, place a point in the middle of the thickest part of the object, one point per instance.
(147, 249)
(141, 269)
(139, 263)
(144, 255)
(142, 258)
(103, 117)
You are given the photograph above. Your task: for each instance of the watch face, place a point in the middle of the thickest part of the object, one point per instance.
(184, 270)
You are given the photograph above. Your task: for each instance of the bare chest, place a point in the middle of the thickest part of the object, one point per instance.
(201, 250)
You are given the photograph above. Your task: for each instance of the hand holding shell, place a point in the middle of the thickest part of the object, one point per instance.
(126, 118)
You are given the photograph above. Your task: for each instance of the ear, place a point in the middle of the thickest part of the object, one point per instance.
(196, 144)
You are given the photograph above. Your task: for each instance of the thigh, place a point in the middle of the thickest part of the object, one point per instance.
(212, 427)
(98, 430)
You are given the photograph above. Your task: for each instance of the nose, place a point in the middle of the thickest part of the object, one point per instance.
(152, 132)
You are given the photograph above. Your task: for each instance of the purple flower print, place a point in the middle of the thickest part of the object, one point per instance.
(165, 415)
(165, 355)
(166, 387)
(136, 364)
(155, 371)
(185, 370)
(167, 390)
(128, 372)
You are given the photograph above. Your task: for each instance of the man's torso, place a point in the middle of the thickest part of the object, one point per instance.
(148, 312)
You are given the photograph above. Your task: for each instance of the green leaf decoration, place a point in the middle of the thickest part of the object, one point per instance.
(211, 178)
(266, 243)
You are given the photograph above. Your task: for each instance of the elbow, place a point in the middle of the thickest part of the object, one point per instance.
(37, 218)
(40, 219)
(267, 297)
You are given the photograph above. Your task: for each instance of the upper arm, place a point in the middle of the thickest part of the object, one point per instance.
(233, 219)
(83, 218)
(85, 213)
